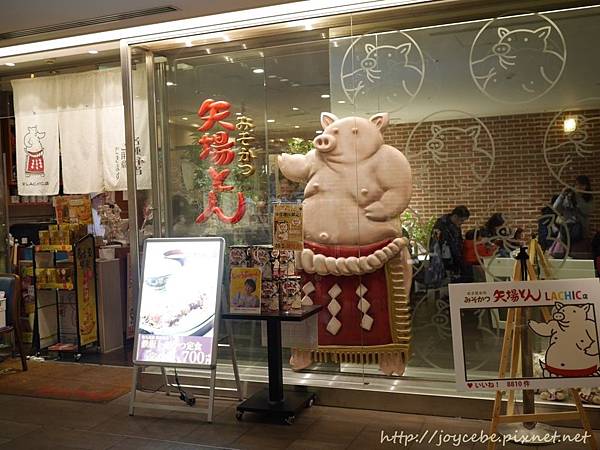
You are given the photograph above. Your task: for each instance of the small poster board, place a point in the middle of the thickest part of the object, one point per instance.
(287, 226)
(565, 343)
(179, 302)
(245, 290)
(73, 209)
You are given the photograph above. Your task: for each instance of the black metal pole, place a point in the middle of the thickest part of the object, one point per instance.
(275, 361)
(526, 346)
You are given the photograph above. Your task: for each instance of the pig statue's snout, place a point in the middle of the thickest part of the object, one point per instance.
(324, 142)
(558, 316)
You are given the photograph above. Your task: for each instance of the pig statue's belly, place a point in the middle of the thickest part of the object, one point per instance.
(334, 211)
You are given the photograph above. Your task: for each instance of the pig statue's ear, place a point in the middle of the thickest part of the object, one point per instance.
(586, 307)
(327, 119)
(559, 306)
(381, 120)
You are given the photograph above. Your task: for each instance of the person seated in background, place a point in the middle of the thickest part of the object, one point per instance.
(475, 247)
(545, 225)
(495, 230)
(447, 239)
(519, 237)
(596, 252)
(575, 207)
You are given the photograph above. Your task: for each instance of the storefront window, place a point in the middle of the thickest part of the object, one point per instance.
(496, 117)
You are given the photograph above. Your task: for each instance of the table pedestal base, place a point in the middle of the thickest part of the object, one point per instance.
(286, 410)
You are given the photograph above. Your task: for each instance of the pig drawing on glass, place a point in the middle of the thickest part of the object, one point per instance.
(354, 259)
(574, 146)
(573, 342)
(384, 73)
(520, 65)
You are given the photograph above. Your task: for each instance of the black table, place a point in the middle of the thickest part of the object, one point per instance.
(272, 401)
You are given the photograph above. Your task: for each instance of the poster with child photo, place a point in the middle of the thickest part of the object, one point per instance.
(245, 290)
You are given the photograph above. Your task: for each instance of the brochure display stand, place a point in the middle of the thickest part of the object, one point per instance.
(65, 298)
(178, 316)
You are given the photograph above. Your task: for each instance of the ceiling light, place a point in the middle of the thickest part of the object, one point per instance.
(295, 108)
(261, 54)
(258, 70)
(341, 101)
(195, 125)
(295, 85)
(9, 64)
(324, 95)
(323, 35)
(272, 76)
(284, 79)
(184, 118)
(170, 83)
(238, 113)
(570, 124)
(335, 44)
(208, 51)
(271, 140)
(93, 52)
(319, 131)
(270, 120)
(244, 46)
(296, 126)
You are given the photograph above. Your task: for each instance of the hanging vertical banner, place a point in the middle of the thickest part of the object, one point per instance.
(287, 226)
(37, 144)
(112, 129)
(79, 138)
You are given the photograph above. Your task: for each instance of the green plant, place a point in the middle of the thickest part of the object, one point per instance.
(299, 146)
(202, 181)
(418, 231)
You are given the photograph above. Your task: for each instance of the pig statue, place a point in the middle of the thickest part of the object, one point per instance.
(355, 262)
(573, 346)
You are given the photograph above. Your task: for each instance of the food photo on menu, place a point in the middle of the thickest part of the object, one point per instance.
(178, 302)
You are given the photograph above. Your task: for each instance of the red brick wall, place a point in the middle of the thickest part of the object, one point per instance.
(519, 182)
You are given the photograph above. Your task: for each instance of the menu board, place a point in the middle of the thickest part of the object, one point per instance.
(179, 302)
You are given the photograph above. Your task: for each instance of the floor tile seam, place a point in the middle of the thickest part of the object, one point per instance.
(356, 437)
(167, 441)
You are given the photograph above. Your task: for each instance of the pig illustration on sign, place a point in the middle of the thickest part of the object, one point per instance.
(521, 65)
(573, 342)
(34, 150)
(354, 262)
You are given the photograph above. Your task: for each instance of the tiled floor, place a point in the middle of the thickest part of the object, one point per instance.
(39, 424)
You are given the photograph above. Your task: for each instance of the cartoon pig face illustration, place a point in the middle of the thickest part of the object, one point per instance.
(33, 138)
(385, 55)
(521, 39)
(361, 136)
(443, 136)
(574, 315)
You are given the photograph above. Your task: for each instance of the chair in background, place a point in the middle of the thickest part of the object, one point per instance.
(11, 285)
